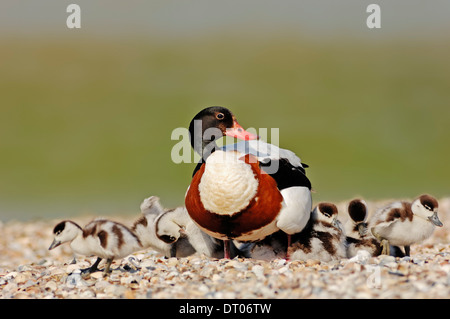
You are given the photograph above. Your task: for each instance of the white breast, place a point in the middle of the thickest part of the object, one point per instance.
(86, 246)
(228, 184)
(405, 233)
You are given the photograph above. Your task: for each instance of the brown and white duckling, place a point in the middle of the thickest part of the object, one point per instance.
(357, 235)
(144, 227)
(166, 230)
(404, 223)
(323, 237)
(103, 238)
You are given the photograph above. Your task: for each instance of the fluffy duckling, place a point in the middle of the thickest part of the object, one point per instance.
(272, 247)
(358, 237)
(177, 228)
(170, 231)
(404, 223)
(322, 238)
(102, 238)
(144, 227)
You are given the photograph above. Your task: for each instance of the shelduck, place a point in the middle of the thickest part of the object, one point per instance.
(245, 191)
(323, 237)
(102, 238)
(403, 223)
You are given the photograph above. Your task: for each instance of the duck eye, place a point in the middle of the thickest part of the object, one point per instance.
(427, 207)
(220, 116)
(327, 215)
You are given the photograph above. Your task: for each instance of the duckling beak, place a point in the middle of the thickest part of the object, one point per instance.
(54, 244)
(183, 232)
(336, 223)
(435, 220)
(362, 230)
(237, 131)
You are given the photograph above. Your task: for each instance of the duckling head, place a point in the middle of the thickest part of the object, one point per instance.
(65, 231)
(167, 228)
(357, 210)
(426, 206)
(328, 212)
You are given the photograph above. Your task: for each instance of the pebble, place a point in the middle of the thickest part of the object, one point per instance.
(96, 275)
(29, 270)
(74, 279)
(258, 270)
(312, 262)
(51, 285)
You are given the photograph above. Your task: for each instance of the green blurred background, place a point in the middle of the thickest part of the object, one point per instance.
(86, 115)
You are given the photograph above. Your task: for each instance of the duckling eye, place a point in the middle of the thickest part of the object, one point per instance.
(220, 116)
(427, 207)
(327, 215)
(168, 239)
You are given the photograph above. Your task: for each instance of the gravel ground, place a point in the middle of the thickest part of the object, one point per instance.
(29, 270)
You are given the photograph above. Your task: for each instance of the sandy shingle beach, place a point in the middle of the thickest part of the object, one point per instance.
(29, 270)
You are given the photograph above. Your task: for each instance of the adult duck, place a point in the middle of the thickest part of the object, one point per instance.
(244, 191)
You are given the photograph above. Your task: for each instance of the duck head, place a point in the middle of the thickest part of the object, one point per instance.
(211, 124)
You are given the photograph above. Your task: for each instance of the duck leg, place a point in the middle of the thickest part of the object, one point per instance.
(173, 250)
(288, 246)
(226, 248)
(386, 247)
(407, 250)
(384, 242)
(91, 269)
(107, 269)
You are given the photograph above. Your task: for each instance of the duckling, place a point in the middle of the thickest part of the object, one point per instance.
(272, 247)
(322, 238)
(358, 237)
(103, 238)
(164, 230)
(177, 228)
(403, 223)
(144, 227)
